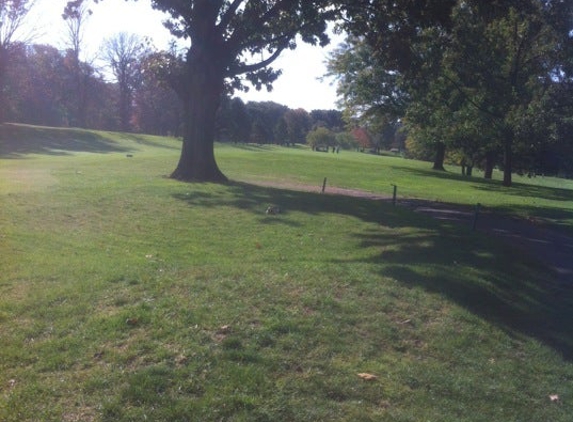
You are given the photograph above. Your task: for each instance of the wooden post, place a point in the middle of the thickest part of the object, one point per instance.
(394, 194)
(323, 185)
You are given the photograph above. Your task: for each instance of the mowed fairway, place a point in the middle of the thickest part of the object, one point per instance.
(127, 296)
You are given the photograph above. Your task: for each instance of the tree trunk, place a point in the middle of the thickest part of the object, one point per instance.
(507, 158)
(440, 156)
(201, 100)
(489, 163)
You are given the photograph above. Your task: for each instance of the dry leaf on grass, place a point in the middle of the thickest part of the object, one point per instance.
(224, 329)
(367, 377)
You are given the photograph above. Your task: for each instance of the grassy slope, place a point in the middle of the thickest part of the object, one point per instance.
(126, 295)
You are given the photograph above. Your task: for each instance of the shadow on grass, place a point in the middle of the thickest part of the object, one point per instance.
(144, 140)
(490, 279)
(529, 191)
(248, 146)
(19, 140)
(257, 198)
(552, 217)
(493, 186)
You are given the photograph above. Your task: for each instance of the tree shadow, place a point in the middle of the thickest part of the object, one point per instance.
(518, 189)
(489, 278)
(144, 140)
(529, 191)
(257, 199)
(19, 140)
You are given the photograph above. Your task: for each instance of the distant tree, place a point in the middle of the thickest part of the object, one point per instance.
(38, 90)
(260, 132)
(233, 121)
(362, 137)
(331, 119)
(281, 131)
(35, 86)
(12, 16)
(321, 137)
(76, 15)
(157, 109)
(123, 53)
(268, 114)
(345, 140)
(297, 125)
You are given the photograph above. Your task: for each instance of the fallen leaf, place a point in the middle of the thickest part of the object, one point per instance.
(367, 377)
(224, 329)
(131, 321)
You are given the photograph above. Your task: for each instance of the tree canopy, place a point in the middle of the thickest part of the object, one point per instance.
(478, 76)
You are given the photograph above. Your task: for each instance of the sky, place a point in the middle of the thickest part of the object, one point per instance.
(298, 87)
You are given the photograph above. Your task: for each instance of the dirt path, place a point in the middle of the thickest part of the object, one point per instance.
(548, 245)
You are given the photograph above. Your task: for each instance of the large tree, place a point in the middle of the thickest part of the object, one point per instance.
(505, 58)
(232, 41)
(500, 59)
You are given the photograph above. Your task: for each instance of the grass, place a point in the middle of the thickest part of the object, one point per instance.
(127, 296)
(545, 199)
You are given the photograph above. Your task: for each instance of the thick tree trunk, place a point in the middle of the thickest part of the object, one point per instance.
(440, 157)
(201, 101)
(507, 159)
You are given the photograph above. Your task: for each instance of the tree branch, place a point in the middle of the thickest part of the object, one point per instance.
(229, 14)
(246, 68)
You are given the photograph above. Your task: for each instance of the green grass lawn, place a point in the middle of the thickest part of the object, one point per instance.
(127, 296)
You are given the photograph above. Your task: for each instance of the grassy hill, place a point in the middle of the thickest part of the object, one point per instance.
(126, 296)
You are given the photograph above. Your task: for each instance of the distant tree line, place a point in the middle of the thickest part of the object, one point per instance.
(40, 88)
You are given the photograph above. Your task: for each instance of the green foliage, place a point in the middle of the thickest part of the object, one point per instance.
(321, 137)
(480, 77)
